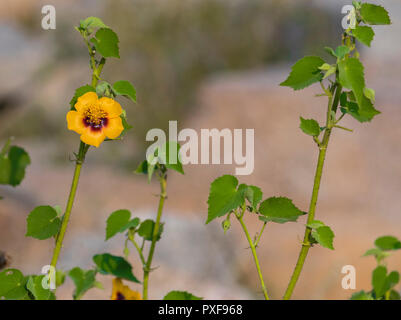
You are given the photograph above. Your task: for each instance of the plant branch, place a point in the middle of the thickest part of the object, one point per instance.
(332, 107)
(260, 235)
(147, 266)
(253, 249)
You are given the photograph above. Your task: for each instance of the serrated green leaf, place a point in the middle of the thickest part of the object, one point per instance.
(374, 14)
(370, 94)
(223, 197)
(12, 285)
(91, 23)
(146, 228)
(324, 236)
(341, 51)
(316, 224)
(106, 43)
(43, 223)
(142, 168)
(84, 280)
(279, 209)
(310, 127)
(364, 34)
(254, 195)
(377, 253)
(330, 51)
(80, 92)
(35, 286)
(392, 279)
(126, 89)
(180, 295)
(379, 277)
(116, 222)
(351, 74)
(117, 266)
(362, 295)
(304, 73)
(13, 165)
(387, 243)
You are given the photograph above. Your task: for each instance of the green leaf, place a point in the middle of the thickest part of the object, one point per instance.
(370, 94)
(377, 253)
(12, 285)
(35, 286)
(374, 14)
(387, 243)
(104, 89)
(13, 165)
(362, 295)
(392, 279)
(341, 51)
(126, 89)
(80, 92)
(364, 34)
(279, 209)
(316, 224)
(330, 51)
(351, 74)
(116, 221)
(379, 277)
(169, 155)
(180, 295)
(224, 197)
(304, 73)
(91, 23)
(106, 43)
(43, 223)
(324, 236)
(84, 280)
(146, 230)
(142, 168)
(394, 295)
(117, 266)
(254, 195)
(310, 127)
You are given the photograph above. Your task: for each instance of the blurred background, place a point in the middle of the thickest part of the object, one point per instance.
(207, 64)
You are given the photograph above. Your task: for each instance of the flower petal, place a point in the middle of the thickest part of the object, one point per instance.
(93, 137)
(122, 292)
(86, 100)
(75, 122)
(113, 128)
(112, 107)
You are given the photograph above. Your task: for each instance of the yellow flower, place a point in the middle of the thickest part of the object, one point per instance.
(121, 292)
(95, 119)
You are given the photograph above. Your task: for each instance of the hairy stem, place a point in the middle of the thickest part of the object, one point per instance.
(148, 265)
(60, 236)
(255, 256)
(83, 149)
(332, 107)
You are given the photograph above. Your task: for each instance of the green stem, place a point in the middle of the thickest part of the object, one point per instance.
(260, 234)
(148, 265)
(332, 107)
(132, 239)
(255, 256)
(60, 236)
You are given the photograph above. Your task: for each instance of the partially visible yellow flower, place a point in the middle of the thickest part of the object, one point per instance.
(121, 292)
(95, 119)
